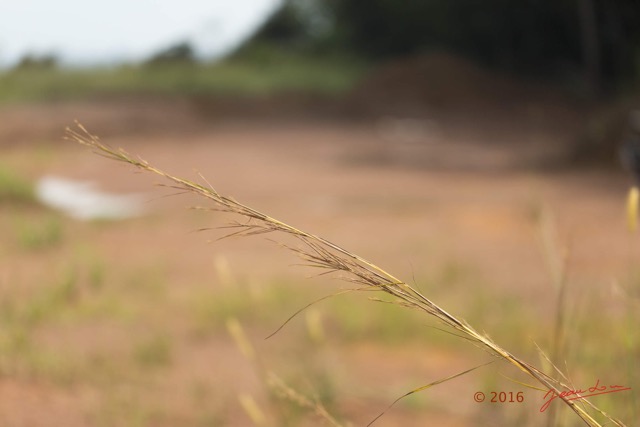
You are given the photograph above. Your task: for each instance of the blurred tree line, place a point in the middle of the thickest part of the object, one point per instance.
(594, 41)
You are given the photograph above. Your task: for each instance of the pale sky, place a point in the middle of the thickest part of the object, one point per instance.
(86, 32)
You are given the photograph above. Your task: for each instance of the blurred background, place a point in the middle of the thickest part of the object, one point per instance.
(470, 148)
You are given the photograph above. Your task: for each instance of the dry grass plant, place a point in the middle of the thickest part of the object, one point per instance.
(330, 258)
(273, 383)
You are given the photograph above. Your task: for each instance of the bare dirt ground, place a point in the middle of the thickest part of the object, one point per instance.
(430, 201)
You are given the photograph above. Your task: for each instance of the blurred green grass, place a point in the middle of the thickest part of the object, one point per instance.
(256, 76)
(14, 188)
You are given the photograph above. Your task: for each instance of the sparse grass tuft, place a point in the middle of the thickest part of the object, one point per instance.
(27, 312)
(153, 352)
(210, 309)
(14, 188)
(40, 233)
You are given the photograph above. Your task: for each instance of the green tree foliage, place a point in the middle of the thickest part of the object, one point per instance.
(303, 26)
(35, 62)
(178, 53)
(533, 37)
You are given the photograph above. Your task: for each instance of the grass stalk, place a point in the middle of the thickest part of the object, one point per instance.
(331, 258)
(556, 262)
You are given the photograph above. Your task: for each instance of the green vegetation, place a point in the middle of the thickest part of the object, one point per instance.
(41, 232)
(153, 352)
(14, 188)
(256, 77)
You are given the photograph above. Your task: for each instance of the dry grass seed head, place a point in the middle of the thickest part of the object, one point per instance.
(321, 253)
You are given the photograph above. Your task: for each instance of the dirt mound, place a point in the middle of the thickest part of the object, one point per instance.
(443, 82)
